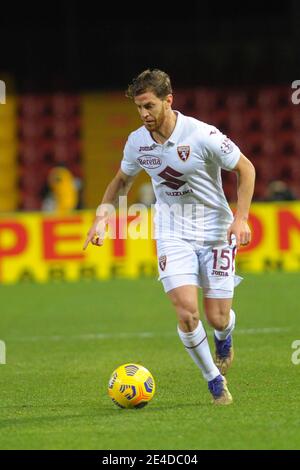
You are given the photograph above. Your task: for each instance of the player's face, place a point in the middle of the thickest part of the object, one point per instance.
(152, 110)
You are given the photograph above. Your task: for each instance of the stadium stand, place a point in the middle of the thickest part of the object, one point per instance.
(39, 132)
(49, 136)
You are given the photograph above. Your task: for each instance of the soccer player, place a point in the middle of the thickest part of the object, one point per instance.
(197, 245)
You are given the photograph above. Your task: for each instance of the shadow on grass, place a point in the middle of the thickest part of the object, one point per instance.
(21, 421)
(92, 413)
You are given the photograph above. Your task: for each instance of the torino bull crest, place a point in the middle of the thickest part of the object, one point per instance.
(184, 152)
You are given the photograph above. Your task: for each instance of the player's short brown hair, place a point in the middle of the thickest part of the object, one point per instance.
(154, 80)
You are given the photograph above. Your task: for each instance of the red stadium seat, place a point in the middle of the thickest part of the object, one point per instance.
(295, 116)
(31, 152)
(284, 97)
(65, 105)
(264, 168)
(254, 144)
(284, 119)
(219, 118)
(33, 106)
(66, 128)
(207, 99)
(33, 178)
(230, 192)
(30, 202)
(295, 187)
(251, 121)
(270, 148)
(235, 124)
(273, 98)
(66, 152)
(260, 191)
(229, 185)
(287, 143)
(290, 169)
(33, 128)
(236, 101)
(267, 98)
(269, 123)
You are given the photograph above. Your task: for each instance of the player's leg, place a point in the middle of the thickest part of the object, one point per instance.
(193, 335)
(221, 317)
(217, 277)
(191, 330)
(217, 274)
(185, 302)
(178, 268)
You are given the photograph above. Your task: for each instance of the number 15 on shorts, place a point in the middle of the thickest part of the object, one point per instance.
(223, 259)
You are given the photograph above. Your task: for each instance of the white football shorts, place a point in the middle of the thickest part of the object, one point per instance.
(211, 267)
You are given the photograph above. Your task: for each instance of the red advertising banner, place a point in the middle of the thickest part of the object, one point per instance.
(42, 247)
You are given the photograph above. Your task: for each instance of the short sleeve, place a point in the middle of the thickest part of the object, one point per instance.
(129, 164)
(220, 149)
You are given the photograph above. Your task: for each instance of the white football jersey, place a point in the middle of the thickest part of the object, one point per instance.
(186, 177)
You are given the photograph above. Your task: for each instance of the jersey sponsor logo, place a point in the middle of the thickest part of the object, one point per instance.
(149, 161)
(147, 149)
(179, 193)
(226, 146)
(171, 178)
(162, 262)
(213, 132)
(183, 152)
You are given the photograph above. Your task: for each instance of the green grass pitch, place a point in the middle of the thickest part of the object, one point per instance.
(54, 385)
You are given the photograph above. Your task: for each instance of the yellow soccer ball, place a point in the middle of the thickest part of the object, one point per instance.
(131, 386)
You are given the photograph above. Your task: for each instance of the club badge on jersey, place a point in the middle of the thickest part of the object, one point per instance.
(184, 152)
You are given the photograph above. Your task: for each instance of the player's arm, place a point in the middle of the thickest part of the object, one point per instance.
(119, 186)
(245, 172)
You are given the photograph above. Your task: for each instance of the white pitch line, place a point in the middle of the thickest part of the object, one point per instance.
(138, 335)
(254, 331)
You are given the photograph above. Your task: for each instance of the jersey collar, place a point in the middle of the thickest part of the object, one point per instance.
(174, 137)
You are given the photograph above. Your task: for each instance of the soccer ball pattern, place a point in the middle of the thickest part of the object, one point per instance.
(131, 386)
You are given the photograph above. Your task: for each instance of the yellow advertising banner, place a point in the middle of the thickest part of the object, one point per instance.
(41, 247)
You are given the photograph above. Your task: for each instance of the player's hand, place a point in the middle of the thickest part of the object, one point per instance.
(96, 233)
(241, 230)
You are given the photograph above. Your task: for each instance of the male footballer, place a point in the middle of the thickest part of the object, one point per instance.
(198, 238)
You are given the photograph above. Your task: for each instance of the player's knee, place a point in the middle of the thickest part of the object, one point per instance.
(218, 319)
(188, 318)
(220, 323)
(187, 312)
(188, 322)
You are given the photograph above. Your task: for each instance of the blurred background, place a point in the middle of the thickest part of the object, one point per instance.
(66, 68)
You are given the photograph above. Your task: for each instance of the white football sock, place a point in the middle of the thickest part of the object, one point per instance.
(222, 335)
(197, 346)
